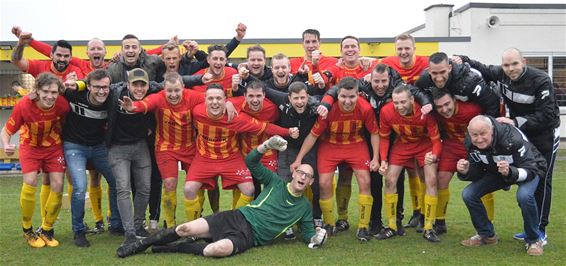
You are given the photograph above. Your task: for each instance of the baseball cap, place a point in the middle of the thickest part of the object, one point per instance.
(137, 74)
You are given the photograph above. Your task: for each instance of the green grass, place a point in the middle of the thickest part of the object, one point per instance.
(343, 249)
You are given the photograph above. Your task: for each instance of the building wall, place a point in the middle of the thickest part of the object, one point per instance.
(533, 31)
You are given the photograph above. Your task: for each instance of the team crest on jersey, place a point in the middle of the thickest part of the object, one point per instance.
(272, 163)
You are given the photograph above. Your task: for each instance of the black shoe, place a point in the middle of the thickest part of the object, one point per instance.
(164, 237)
(342, 225)
(330, 230)
(129, 249)
(129, 238)
(98, 228)
(141, 232)
(431, 236)
(289, 234)
(116, 231)
(363, 234)
(375, 228)
(440, 227)
(80, 240)
(131, 245)
(386, 233)
(414, 221)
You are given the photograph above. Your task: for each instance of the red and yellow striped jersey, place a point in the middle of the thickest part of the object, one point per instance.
(38, 127)
(218, 139)
(457, 125)
(346, 127)
(174, 127)
(324, 63)
(225, 80)
(410, 74)
(340, 72)
(268, 113)
(408, 129)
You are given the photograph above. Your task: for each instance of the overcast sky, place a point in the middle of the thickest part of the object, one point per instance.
(161, 19)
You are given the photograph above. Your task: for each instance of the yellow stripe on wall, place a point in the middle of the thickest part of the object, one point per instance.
(289, 49)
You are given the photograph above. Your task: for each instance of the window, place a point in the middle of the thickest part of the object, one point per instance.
(557, 67)
(559, 79)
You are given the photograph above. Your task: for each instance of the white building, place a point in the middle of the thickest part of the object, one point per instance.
(538, 30)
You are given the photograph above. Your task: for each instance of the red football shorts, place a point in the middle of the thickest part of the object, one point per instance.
(232, 169)
(47, 160)
(329, 156)
(403, 153)
(452, 151)
(270, 162)
(168, 161)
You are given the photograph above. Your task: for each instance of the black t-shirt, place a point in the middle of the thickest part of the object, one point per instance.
(86, 123)
(130, 127)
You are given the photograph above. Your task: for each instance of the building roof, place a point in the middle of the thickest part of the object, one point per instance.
(438, 5)
(508, 6)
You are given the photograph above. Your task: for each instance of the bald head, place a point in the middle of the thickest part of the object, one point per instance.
(513, 63)
(96, 51)
(480, 130)
(94, 41)
(303, 177)
(306, 168)
(512, 52)
(480, 121)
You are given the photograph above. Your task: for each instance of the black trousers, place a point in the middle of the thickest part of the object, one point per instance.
(547, 143)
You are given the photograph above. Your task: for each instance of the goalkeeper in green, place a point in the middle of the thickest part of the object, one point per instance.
(279, 206)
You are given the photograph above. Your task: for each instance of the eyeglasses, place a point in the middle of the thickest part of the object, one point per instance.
(99, 88)
(301, 172)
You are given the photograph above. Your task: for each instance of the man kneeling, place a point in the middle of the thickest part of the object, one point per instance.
(279, 206)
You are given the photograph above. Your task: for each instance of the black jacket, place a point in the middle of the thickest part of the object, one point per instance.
(114, 107)
(189, 66)
(465, 85)
(530, 99)
(288, 117)
(508, 144)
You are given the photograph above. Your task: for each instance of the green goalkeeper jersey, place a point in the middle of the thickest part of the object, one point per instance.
(276, 209)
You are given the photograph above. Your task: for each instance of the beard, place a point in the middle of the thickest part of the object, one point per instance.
(61, 66)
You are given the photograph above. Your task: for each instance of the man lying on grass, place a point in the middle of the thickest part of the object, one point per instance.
(279, 206)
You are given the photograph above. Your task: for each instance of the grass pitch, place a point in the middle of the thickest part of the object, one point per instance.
(343, 249)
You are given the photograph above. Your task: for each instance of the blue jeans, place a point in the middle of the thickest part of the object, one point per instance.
(525, 197)
(76, 156)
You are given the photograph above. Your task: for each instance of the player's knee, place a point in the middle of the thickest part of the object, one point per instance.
(170, 184)
(247, 189)
(525, 198)
(190, 192)
(390, 183)
(469, 195)
(57, 185)
(220, 248)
